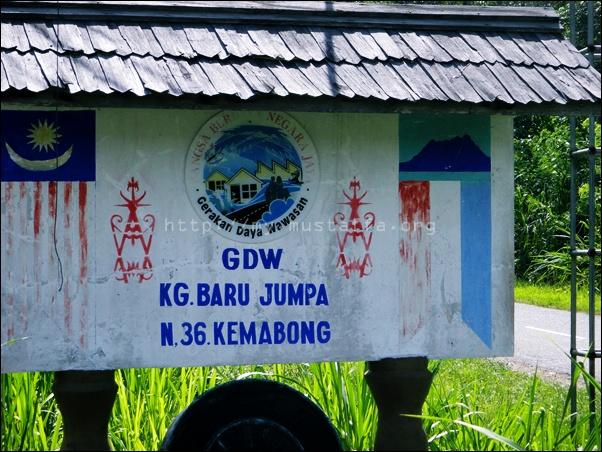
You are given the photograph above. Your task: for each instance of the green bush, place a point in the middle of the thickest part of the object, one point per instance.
(542, 200)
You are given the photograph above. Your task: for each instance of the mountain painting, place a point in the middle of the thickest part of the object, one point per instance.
(458, 155)
(448, 163)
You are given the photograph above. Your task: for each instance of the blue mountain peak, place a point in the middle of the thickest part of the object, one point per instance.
(459, 154)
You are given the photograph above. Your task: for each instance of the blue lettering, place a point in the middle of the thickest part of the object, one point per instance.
(295, 295)
(200, 337)
(218, 335)
(166, 334)
(264, 334)
(307, 333)
(310, 291)
(216, 296)
(322, 296)
(187, 339)
(164, 298)
(243, 294)
(202, 294)
(230, 263)
(279, 294)
(293, 332)
(250, 259)
(271, 259)
(323, 332)
(229, 295)
(181, 299)
(231, 332)
(266, 301)
(279, 335)
(247, 336)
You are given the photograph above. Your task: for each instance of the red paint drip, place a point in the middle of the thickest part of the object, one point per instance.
(415, 208)
(37, 208)
(37, 213)
(23, 224)
(414, 215)
(67, 302)
(8, 192)
(8, 196)
(415, 201)
(83, 232)
(82, 328)
(83, 253)
(52, 199)
(67, 306)
(67, 199)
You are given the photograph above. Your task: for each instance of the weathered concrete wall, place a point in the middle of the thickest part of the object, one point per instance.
(400, 290)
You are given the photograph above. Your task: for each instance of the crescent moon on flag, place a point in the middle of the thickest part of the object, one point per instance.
(39, 165)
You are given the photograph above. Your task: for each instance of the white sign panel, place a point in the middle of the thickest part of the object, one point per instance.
(162, 238)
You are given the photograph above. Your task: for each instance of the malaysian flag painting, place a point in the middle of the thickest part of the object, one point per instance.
(445, 213)
(48, 174)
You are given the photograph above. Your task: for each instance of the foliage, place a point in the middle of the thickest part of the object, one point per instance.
(542, 200)
(558, 297)
(530, 416)
(468, 400)
(561, 7)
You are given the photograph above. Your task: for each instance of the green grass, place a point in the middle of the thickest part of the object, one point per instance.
(526, 412)
(552, 296)
(469, 400)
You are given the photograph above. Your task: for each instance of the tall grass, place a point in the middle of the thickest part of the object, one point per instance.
(526, 414)
(470, 402)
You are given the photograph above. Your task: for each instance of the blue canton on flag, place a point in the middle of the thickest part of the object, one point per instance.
(48, 146)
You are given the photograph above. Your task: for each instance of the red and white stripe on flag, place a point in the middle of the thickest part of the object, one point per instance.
(47, 260)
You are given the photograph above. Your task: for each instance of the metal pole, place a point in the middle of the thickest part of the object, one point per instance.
(572, 244)
(573, 226)
(592, 229)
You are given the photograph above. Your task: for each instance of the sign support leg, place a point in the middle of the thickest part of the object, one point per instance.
(85, 399)
(399, 386)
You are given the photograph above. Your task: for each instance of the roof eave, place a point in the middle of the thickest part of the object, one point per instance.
(324, 104)
(323, 14)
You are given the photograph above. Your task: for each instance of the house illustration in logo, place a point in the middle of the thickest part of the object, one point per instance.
(216, 181)
(243, 185)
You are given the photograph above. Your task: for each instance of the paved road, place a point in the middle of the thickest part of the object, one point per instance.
(250, 214)
(542, 337)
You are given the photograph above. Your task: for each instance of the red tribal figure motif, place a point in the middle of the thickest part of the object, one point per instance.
(133, 242)
(360, 232)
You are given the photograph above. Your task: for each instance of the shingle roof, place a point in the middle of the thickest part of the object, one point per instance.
(412, 54)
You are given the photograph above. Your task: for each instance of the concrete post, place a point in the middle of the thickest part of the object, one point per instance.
(399, 386)
(85, 399)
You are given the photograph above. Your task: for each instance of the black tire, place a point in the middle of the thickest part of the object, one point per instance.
(251, 415)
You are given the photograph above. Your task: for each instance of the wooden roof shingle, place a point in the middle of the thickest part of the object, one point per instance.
(409, 55)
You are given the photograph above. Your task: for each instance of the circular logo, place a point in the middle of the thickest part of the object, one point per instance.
(252, 175)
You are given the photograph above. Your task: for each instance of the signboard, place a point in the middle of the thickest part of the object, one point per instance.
(159, 238)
